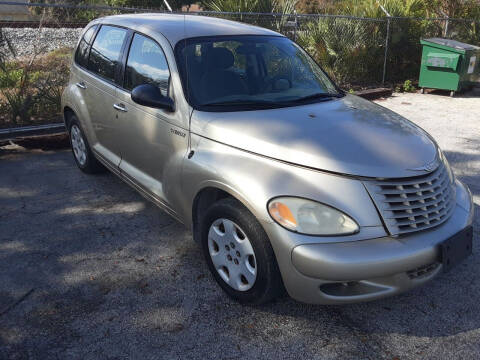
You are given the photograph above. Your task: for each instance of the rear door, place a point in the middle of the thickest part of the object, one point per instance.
(99, 86)
(80, 78)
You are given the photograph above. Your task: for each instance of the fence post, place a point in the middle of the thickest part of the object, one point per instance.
(386, 51)
(386, 43)
(445, 30)
(295, 28)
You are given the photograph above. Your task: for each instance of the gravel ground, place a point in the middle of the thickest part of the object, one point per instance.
(90, 270)
(30, 41)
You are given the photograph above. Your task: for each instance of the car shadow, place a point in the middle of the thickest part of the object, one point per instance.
(468, 93)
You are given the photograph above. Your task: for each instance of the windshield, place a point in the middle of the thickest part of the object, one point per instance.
(228, 73)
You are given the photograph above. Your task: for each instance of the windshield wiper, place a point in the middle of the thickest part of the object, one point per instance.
(318, 96)
(243, 103)
(240, 102)
(264, 103)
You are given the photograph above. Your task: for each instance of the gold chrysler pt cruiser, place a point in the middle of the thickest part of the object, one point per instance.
(286, 181)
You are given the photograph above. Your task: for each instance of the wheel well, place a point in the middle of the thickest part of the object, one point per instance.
(67, 113)
(204, 199)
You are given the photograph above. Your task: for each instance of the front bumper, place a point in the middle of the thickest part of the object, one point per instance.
(348, 271)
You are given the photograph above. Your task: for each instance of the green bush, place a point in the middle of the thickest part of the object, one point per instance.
(351, 51)
(408, 86)
(10, 76)
(30, 91)
(261, 6)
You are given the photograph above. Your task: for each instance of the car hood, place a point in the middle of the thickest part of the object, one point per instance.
(349, 135)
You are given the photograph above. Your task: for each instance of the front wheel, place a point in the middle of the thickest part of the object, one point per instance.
(239, 254)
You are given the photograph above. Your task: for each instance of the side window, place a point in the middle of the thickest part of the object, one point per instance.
(81, 56)
(105, 53)
(146, 64)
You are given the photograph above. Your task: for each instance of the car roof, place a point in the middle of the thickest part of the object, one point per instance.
(176, 27)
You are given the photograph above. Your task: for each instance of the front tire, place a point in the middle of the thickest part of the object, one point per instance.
(239, 254)
(82, 153)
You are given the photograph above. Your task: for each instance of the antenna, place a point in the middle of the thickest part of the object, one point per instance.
(383, 9)
(167, 5)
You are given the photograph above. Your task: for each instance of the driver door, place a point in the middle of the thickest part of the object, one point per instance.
(154, 141)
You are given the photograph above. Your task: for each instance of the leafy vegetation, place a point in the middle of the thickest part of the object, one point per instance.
(85, 15)
(351, 50)
(263, 6)
(408, 86)
(31, 89)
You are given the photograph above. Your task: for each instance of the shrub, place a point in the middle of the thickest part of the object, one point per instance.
(50, 81)
(351, 51)
(262, 6)
(16, 97)
(30, 91)
(408, 86)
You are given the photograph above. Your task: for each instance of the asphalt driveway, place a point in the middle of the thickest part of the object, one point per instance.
(90, 270)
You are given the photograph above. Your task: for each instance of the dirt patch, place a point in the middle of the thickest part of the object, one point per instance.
(43, 142)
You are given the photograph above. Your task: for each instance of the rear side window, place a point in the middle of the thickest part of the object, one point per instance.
(81, 56)
(146, 64)
(105, 52)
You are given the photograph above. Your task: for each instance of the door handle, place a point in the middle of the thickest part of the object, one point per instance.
(81, 85)
(120, 107)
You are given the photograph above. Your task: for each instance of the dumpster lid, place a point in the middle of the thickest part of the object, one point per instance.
(452, 43)
(440, 60)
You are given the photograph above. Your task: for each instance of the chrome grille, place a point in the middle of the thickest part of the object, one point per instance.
(416, 203)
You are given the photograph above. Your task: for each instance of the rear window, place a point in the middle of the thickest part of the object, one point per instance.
(106, 49)
(81, 56)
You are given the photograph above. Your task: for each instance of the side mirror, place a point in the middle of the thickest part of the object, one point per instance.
(150, 95)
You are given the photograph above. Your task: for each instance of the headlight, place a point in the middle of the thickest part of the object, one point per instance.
(310, 217)
(444, 160)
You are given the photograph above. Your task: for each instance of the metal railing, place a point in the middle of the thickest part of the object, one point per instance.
(25, 131)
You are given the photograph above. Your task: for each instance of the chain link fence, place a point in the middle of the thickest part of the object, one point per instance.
(36, 41)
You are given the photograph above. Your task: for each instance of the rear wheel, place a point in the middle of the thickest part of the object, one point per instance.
(82, 153)
(239, 254)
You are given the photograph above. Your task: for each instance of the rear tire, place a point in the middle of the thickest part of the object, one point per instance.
(82, 153)
(248, 272)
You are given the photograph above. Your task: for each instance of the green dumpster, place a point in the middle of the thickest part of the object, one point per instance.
(449, 65)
